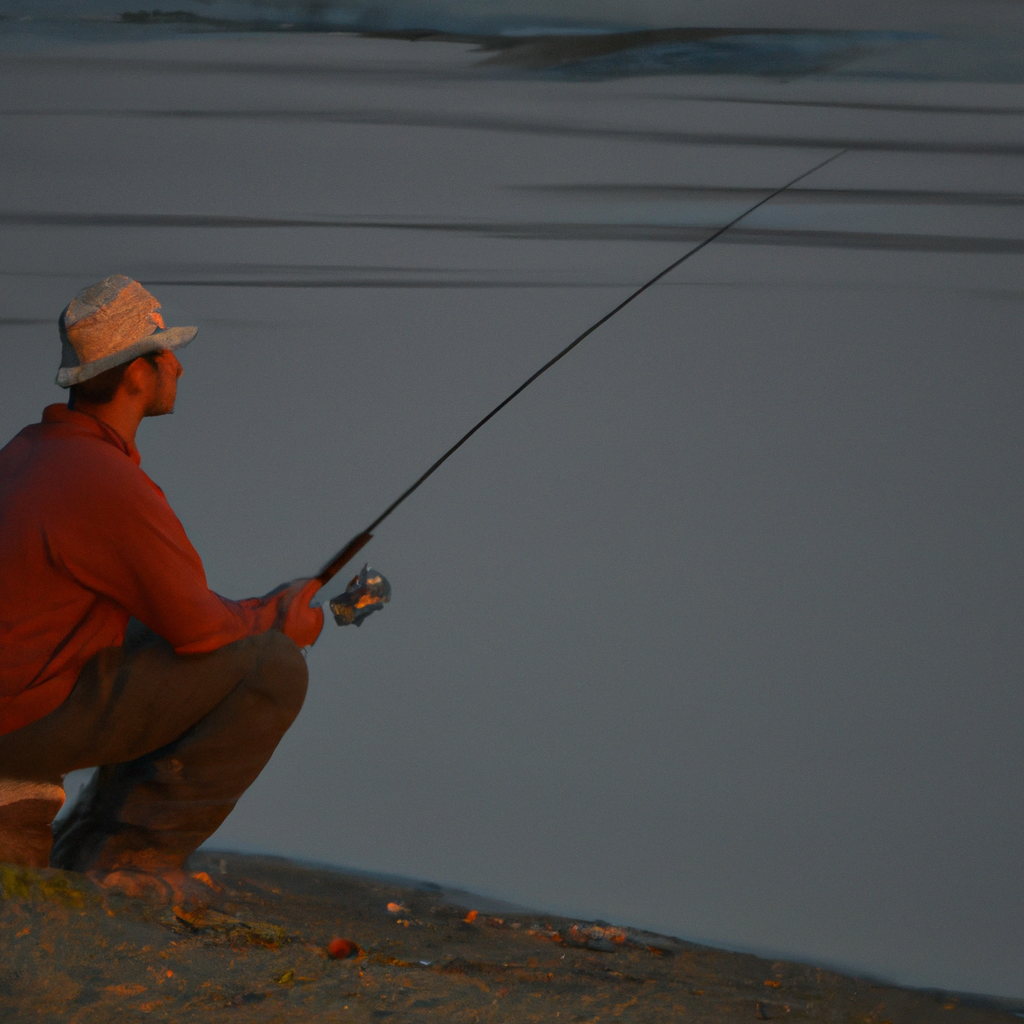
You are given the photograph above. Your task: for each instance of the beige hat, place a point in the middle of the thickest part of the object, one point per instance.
(111, 323)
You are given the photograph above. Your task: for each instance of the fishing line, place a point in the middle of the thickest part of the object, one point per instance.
(356, 543)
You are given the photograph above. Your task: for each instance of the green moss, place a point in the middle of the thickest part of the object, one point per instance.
(57, 889)
(15, 882)
(28, 883)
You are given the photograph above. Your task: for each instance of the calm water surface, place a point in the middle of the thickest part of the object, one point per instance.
(716, 630)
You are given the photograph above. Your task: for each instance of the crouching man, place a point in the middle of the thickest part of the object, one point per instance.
(114, 652)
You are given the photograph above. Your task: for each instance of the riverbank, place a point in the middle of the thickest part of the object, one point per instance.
(258, 952)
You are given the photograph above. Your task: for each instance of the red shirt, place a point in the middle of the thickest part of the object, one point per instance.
(87, 540)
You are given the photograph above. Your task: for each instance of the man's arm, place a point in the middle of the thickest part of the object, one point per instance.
(131, 549)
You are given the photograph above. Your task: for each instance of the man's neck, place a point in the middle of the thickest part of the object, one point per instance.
(122, 417)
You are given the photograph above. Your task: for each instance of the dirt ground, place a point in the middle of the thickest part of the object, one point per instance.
(258, 953)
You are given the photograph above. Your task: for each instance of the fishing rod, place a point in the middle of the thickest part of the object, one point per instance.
(352, 548)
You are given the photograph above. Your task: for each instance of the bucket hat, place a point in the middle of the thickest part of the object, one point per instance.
(111, 323)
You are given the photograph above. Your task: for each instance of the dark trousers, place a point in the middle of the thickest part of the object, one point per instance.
(177, 740)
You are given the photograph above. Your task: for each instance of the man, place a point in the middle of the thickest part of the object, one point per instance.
(114, 652)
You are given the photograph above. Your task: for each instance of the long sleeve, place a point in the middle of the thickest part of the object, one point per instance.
(86, 541)
(132, 549)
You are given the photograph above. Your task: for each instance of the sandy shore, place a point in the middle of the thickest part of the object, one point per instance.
(258, 952)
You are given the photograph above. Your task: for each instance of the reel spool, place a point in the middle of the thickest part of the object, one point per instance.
(367, 593)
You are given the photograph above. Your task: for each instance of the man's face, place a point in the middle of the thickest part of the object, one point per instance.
(163, 385)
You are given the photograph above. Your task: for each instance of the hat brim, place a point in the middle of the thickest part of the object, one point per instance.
(159, 341)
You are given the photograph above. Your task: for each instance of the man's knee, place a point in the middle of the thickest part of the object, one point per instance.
(280, 671)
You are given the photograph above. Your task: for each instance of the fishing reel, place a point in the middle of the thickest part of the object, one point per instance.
(367, 593)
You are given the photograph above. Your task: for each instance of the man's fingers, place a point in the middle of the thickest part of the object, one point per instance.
(309, 590)
(301, 622)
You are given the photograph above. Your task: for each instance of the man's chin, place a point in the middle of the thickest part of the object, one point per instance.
(162, 404)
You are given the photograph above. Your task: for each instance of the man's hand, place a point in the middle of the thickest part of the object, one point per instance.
(295, 618)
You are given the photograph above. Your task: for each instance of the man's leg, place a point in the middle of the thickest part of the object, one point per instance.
(178, 739)
(149, 813)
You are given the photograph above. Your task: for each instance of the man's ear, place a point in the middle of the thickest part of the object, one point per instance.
(137, 375)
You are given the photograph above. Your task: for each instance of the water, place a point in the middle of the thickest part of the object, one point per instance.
(715, 630)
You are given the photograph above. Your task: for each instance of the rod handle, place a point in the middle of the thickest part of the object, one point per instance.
(343, 557)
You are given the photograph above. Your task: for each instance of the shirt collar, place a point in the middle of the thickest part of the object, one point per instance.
(62, 414)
